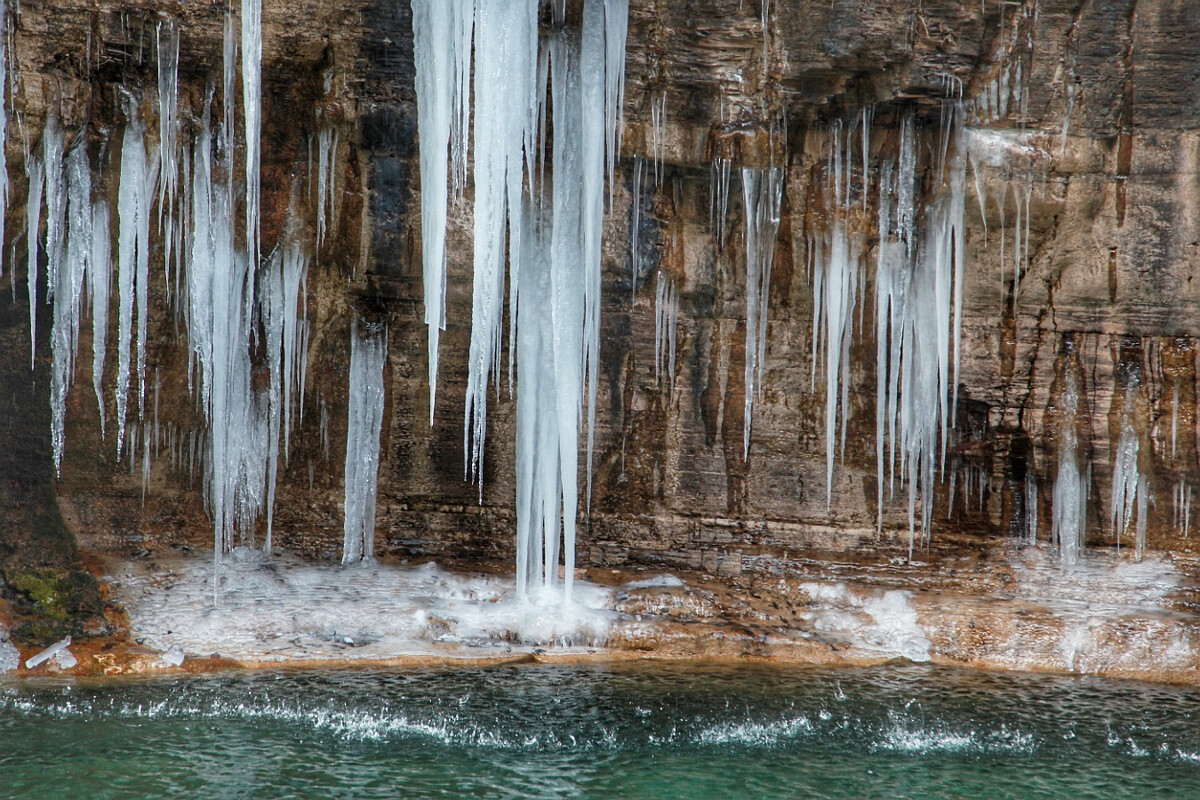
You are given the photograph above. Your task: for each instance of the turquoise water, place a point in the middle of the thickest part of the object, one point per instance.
(602, 731)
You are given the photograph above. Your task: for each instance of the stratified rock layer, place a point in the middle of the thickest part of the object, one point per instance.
(1088, 127)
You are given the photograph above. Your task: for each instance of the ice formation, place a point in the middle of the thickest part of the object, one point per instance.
(666, 318)
(1129, 487)
(1069, 512)
(252, 111)
(719, 189)
(433, 43)
(1182, 505)
(47, 654)
(71, 269)
(918, 315)
(368, 352)
(836, 255)
(505, 56)
(762, 196)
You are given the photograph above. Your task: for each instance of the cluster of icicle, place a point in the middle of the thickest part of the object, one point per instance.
(546, 228)
(1130, 488)
(226, 295)
(918, 300)
(368, 351)
(1071, 487)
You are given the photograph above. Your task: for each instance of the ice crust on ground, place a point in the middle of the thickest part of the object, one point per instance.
(881, 621)
(266, 610)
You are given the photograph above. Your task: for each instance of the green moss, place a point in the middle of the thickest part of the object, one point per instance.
(51, 592)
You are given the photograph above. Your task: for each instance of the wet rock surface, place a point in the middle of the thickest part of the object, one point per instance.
(1087, 124)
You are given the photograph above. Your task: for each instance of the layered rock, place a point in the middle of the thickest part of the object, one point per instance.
(1081, 123)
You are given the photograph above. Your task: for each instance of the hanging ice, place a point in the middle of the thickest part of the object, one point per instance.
(99, 281)
(918, 290)
(505, 56)
(252, 110)
(433, 45)
(762, 196)
(1127, 482)
(167, 38)
(139, 172)
(368, 352)
(71, 270)
(1069, 514)
(282, 290)
(666, 316)
(327, 146)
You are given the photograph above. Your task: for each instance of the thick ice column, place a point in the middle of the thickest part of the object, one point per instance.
(616, 30)
(505, 109)
(433, 44)
(99, 282)
(252, 111)
(567, 278)
(593, 97)
(1069, 514)
(71, 269)
(368, 352)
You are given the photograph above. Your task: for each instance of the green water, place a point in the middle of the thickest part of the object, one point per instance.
(602, 731)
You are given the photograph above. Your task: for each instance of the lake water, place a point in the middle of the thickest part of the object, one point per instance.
(625, 730)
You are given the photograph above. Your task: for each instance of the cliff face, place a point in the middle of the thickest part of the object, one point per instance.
(1075, 126)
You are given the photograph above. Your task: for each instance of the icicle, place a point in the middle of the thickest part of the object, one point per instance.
(1031, 506)
(1069, 512)
(167, 36)
(252, 110)
(132, 183)
(99, 282)
(1126, 480)
(433, 43)
(33, 213)
(658, 132)
(593, 98)
(68, 297)
(762, 196)
(919, 310)
(721, 169)
(464, 24)
(616, 29)
(635, 227)
(1174, 416)
(1143, 497)
(285, 273)
(368, 352)
(505, 55)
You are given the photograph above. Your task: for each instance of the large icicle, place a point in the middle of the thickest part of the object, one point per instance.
(433, 44)
(99, 282)
(1127, 481)
(918, 314)
(129, 196)
(762, 195)
(368, 352)
(505, 56)
(616, 30)
(167, 37)
(592, 54)
(33, 214)
(286, 272)
(68, 296)
(1069, 514)
(252, 111)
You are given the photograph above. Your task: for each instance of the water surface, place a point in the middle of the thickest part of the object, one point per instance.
(602, 731)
